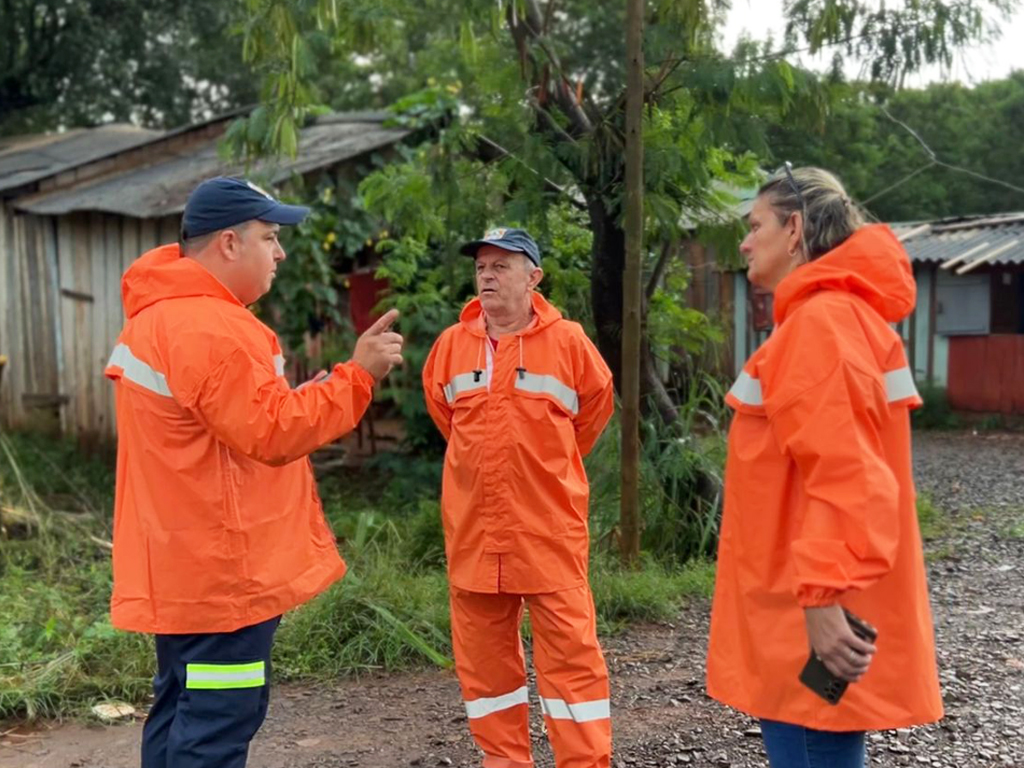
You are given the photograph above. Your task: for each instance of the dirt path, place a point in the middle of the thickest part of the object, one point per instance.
(662, 716)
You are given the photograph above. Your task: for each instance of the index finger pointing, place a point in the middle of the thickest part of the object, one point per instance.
(384, 322)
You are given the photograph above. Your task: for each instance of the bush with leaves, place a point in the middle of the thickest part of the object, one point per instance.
(335, 238)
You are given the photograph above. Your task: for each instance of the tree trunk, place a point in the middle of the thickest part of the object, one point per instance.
(607, 264)
(633, 297)
(608, 260)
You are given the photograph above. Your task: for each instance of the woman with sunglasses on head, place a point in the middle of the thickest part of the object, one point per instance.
(819, 496)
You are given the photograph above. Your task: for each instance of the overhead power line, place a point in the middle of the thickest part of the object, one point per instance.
(933, 160)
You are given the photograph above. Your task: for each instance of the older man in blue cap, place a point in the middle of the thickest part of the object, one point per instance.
(521, 395)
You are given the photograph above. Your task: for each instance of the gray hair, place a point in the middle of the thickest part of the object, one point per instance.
(829, 215)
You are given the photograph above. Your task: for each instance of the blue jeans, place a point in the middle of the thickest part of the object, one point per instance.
(793, 746)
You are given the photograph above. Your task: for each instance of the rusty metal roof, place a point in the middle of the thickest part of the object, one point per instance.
(26, 159)
(964, 244)
(161, 187)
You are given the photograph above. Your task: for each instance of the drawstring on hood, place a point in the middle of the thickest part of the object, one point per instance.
(478, 371)
(472, 319)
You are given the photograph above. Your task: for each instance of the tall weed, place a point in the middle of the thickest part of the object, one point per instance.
(681, 468)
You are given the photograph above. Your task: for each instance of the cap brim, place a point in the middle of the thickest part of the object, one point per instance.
(279, 213)
(470, 249)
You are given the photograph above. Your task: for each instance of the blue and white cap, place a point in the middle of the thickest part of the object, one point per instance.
(508, 239)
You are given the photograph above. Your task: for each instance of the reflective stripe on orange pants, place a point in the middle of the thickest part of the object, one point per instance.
(572, 678)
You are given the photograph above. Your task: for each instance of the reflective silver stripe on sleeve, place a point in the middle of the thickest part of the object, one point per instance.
(899, 385)
(138, 372)
(484, 707)
(279, 365)
(747, 390)
(464, 382)
(583, 712)
(549, 385)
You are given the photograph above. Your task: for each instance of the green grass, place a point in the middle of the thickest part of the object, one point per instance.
(1010, 521)
(59, 655)
(938, 526)
(681, 479)
(932, 520)
(381, 616)
(935, 412)
(1014, 531)
(935, 525)
(57, 648)
(654, 592)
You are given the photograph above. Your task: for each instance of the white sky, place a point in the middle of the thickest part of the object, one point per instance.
(761, 18)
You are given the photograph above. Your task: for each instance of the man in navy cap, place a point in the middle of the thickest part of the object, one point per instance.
(218, 529)
(521, 395)
(230, 226)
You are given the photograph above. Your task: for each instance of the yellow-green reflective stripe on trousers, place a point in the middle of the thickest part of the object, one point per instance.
(214, 677)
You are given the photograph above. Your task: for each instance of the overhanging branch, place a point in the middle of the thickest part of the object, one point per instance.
(528, 30)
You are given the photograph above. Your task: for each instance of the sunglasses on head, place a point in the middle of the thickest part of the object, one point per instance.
(788, 168)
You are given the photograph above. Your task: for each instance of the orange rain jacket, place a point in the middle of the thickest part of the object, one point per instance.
(518, 421)
(217, 522)
(820, 502)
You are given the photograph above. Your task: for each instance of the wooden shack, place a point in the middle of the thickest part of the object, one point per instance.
(75, 210)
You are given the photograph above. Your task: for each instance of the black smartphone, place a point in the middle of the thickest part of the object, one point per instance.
(815, 674)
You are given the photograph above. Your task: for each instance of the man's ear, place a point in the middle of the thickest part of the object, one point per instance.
(536, 275)
(230, 244)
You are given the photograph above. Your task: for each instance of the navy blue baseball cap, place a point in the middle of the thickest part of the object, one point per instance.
(514, 240)
(224, 201)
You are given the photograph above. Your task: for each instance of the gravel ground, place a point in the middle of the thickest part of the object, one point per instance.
(663, 718)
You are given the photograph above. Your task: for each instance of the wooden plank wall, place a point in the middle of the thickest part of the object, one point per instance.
(61, 313)
(29, 392)
(711, 290)
(10, 310)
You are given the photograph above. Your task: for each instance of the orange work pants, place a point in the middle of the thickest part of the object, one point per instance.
(572, 678)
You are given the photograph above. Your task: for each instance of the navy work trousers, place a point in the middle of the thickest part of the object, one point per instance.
(211, 694)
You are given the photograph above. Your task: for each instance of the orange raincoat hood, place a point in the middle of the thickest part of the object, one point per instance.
(472, 317)
(871, 265)
(164, 273)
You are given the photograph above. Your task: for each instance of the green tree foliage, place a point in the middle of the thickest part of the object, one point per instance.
(68, 63)
(894, 39)
(972, 128)
(545, 82)
(335, 239)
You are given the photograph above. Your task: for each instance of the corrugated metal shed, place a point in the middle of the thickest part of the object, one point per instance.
(30, 158)
(161, 188)
(966, 243)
